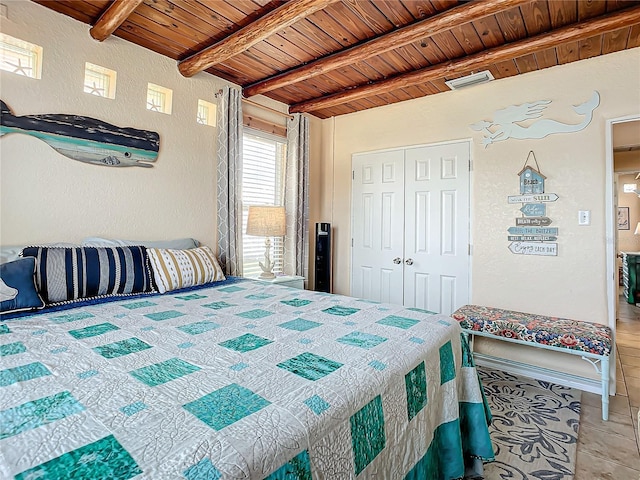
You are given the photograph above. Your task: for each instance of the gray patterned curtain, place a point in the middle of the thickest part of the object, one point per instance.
(229, 169)
(297, 196)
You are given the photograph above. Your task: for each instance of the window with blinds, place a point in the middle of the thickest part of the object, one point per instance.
(263, 169)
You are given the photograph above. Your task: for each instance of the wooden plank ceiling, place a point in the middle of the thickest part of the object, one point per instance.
(332, 57)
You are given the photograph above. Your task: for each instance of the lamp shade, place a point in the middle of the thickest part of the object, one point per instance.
(637, 232)
(266, 221)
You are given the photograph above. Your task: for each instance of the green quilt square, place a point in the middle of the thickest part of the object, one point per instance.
(203, 470)
(141, 304)
(422, 310)
(231, 289)
(4, 329)
(255, 314)
(299, 324)
(193, 296)
(447, 363)
(37, 413)
(71, 317)
(163, 372)
(362, 340)
(416, 385)
(399, 322)
(12, 349)
(121, 348)
(245, 343)
(225, 406)
(218, 305)
(22, 373)
(166, 315)
(367, 433)
(310, 366)
(259, 296)
(341, 311)
(93, 330)
(104, 459)
(296, 302)
(298, 468)
(198, 327)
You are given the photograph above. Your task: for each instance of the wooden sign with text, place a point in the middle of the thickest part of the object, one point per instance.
(533, 221)
(533, 248)
(543, 197)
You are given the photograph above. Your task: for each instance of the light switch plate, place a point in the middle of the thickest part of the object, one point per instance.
(584, 217)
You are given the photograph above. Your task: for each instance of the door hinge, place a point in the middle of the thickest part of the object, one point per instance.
(353, 174)
(352, 242)
(470, 249)
(470, 165)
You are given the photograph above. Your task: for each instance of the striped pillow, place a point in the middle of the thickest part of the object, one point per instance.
(174, 269)
(67, 275)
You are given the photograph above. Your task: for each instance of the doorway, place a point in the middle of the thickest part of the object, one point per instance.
(622, 139)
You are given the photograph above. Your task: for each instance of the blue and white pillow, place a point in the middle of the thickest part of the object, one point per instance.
(66, 275)
(17, 287)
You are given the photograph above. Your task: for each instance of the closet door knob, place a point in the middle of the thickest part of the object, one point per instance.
(409, 261)
(397, 260)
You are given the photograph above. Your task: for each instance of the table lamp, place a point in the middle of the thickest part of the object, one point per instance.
(266, 221)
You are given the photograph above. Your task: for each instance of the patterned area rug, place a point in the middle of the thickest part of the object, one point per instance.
(534, 429)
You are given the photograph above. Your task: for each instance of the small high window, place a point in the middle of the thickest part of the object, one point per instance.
(206, 113)
(159, 98)
(99, 81)
(20, 57)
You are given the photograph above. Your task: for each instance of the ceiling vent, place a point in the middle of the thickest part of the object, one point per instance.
(470, 80)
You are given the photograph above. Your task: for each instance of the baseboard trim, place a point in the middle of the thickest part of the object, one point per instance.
(539, 373)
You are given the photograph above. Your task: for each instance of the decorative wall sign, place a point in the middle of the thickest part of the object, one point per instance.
(534, 248)
(543, 197)
(506, 123)
(533, 221)
(85, 139)
(532, 238)
(534, 209)
(532, 233)
(623, 218)
(533, 230)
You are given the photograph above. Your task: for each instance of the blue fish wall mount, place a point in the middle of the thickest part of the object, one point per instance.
(85, 139)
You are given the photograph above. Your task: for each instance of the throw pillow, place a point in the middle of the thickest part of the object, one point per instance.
(174, 269)
(17, 287)
(66, 275)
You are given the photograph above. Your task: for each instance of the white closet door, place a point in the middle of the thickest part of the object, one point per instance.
(377, 226)
(436, 254)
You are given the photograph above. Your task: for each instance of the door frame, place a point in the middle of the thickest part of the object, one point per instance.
(610, 236)
(469, 142)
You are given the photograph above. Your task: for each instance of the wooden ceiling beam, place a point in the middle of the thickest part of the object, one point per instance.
(112, 18)
(274, 21)
(414, 32)
(479, 61)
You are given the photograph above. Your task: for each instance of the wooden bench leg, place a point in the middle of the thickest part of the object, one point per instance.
(604, 365)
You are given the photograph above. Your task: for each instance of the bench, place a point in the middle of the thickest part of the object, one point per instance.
(591, 341)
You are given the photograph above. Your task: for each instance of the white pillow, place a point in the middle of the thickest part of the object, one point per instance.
(174, 269)
(180, 243)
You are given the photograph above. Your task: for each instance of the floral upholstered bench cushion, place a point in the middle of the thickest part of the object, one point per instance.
(527, 327)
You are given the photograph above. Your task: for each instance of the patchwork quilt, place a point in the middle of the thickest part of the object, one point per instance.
(240, 380)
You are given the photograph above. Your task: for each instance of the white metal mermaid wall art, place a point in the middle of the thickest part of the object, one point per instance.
(506, 122)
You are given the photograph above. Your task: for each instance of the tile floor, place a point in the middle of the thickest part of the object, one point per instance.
(611, 450)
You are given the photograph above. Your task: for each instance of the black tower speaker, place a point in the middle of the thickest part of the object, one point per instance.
(323, 257)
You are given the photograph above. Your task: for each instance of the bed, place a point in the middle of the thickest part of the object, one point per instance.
(238, 379)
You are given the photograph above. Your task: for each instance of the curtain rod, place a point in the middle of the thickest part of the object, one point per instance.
(255, 104)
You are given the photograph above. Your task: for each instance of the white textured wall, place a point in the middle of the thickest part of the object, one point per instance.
(47, 197)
